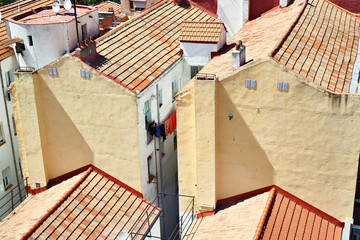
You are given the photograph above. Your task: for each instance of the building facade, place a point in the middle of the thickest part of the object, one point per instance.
(275, 120)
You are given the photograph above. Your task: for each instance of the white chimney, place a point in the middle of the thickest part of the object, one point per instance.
(238, 55)
(284, 3)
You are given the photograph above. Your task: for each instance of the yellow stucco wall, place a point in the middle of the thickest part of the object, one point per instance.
(187, 151)
(304, 140)
(83, 121)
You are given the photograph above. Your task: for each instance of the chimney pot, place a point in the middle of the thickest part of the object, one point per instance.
(284, 3)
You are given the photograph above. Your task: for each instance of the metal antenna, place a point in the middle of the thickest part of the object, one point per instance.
(76, 22)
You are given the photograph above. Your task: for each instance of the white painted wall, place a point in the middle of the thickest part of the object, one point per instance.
(199, 54)
(50, 41)
(180, 72)
(6, 155)
(234, 14)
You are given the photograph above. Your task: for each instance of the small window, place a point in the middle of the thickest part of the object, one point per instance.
(131, 5)
(30, 40)
(14, 125)
(250, 83)
(147, 107)
(151, 168)
(148, 120)
(6, 178)
(283, 86)
(195, 70)
(9, 78)
(2, 137)
(174, 87)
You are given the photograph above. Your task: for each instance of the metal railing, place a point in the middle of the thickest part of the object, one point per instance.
(179, 231)
(13, 198)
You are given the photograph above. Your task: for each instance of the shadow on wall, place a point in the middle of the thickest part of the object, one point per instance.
(241, 163)
(67, 149)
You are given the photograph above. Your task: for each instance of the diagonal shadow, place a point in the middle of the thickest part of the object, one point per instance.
(241, 163)
(66, 147)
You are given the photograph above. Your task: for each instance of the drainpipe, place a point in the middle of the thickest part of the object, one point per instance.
(162, 217)
(11, 139)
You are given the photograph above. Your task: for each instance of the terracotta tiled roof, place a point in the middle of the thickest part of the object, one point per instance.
(288, 219)
(201, 32)
(11, 10)
(322, 46)
(271, 213)
(260, 37)
(108, 5)
(139, 51)
(240, 220)
(92, 206)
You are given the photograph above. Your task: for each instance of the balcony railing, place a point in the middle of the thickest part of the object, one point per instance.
(13, 198)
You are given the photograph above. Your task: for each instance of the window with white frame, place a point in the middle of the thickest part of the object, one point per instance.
(148, 120)
(6, 178)
(174, 87)
(2, 137)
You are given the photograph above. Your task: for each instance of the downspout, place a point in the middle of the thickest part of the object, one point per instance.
(11, 139)
(162, 217)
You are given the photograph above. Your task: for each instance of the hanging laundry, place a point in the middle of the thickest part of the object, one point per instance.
(172, 121)
(162, 131)
(151, 128)
(157, 133)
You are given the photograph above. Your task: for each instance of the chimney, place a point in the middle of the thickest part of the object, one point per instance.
(284, 3)
(238, 55)
(86, 48)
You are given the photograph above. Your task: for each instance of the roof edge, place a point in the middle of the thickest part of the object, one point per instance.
(287, 33)
(234, 199)
(55, 206)
(265, 213)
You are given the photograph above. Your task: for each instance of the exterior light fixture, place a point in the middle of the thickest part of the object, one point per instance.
(230, 116)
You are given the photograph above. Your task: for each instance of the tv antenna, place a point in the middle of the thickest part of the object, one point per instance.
(56, 7)
(67, 5)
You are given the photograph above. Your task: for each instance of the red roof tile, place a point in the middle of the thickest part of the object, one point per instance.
(276, 213)
(260, 36)
(94, 206)
(207, 32)
(322, 46)
(11, 10)
(139, 51)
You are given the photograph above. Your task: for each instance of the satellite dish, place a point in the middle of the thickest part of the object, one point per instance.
(56, 7)
(124, 236)
(67, 5)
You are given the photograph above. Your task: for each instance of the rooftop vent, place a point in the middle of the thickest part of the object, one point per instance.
(205, 76)
(238, 55)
